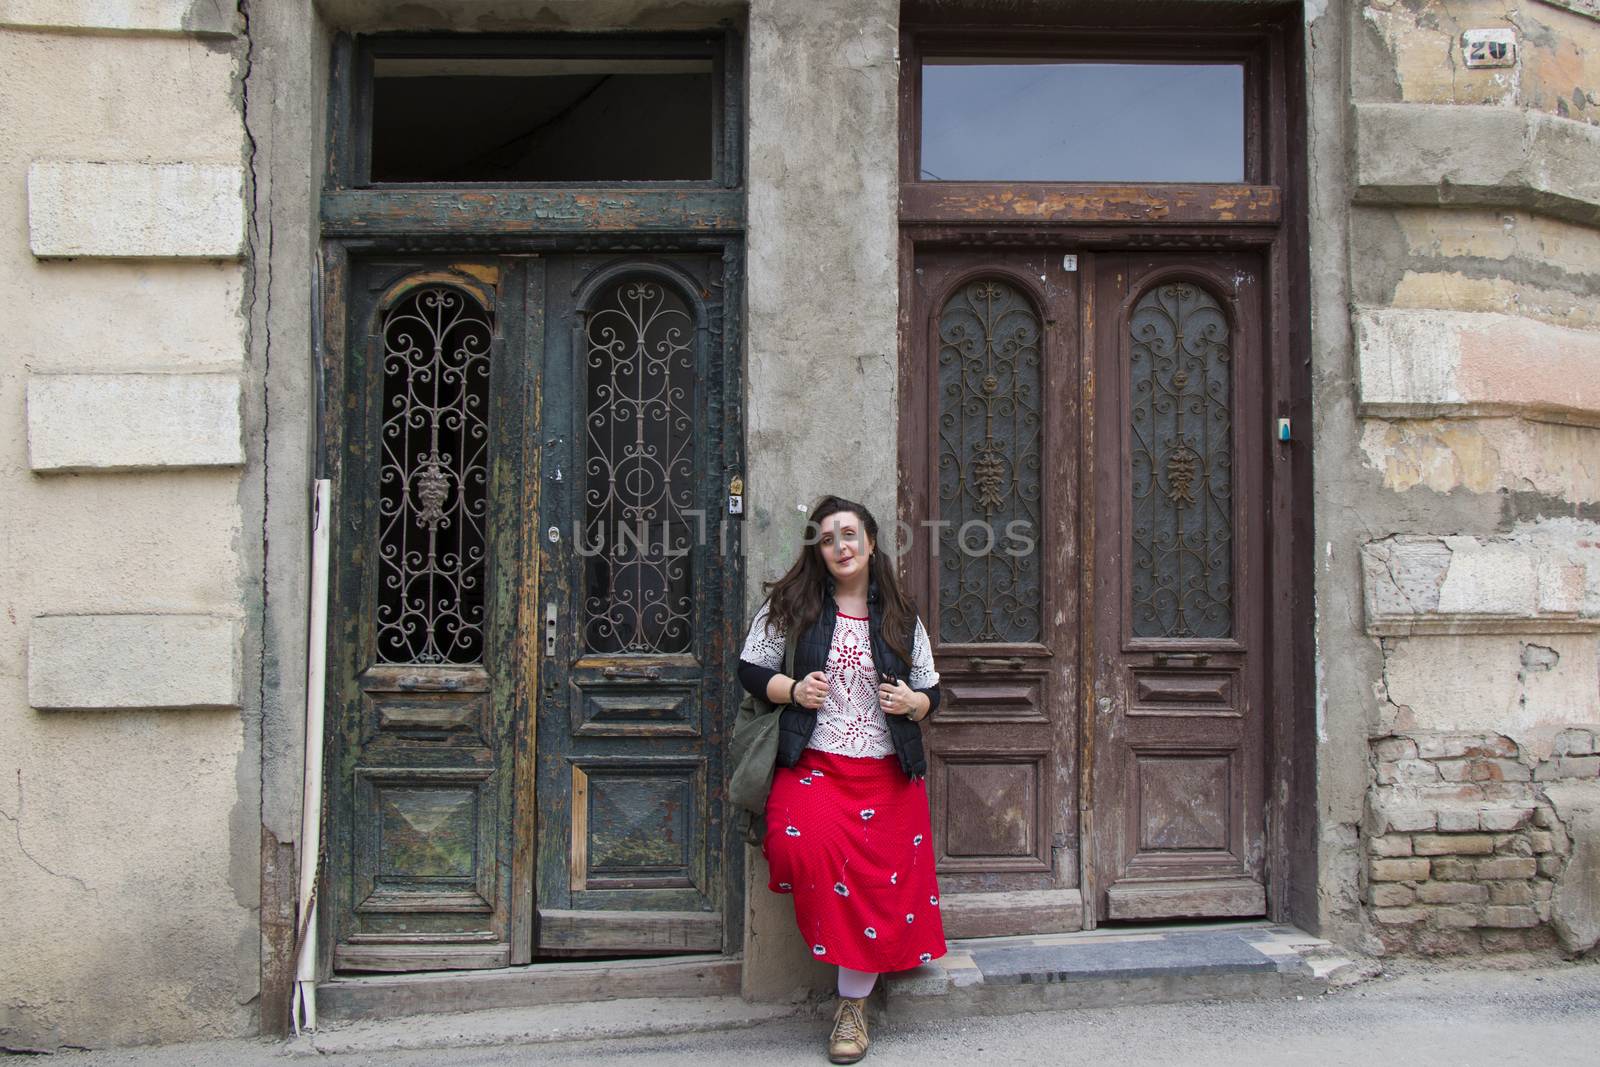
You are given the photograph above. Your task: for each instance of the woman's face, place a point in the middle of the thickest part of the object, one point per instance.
(845, 544)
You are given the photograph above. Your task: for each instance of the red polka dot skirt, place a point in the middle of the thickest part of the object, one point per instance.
(850, 838)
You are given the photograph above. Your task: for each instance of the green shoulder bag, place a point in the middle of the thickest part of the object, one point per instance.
(753, 751)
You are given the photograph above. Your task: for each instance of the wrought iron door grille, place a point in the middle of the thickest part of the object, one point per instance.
(989, 473)
(433, 478)
(1181, 458)
(640, 358)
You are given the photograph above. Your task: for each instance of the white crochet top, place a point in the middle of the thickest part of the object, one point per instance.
(850, 722)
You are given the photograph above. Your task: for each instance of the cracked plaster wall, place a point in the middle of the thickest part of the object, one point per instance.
(1472, 494)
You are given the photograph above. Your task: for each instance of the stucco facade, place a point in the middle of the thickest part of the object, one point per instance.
(1474, 358)
(163, 161)
(131, 804)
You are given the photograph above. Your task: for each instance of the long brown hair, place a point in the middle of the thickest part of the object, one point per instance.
(797, 596)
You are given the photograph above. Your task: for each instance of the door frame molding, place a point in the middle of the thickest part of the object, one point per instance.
(1268, 215)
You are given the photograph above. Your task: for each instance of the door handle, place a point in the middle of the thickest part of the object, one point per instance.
(978, 663)
(1182, 659)
(651, 673)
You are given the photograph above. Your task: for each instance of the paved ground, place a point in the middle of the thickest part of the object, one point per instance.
(1420, 1017)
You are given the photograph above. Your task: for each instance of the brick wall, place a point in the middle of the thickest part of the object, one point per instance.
(1464, 850)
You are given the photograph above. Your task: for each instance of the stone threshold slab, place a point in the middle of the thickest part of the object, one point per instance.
(1113, 966)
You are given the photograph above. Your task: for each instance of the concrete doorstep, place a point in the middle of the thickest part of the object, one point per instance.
(989, 976)
(542, 1024)
(1111, 966)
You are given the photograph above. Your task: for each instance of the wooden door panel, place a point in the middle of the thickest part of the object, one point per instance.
(1197, 692)
(1182, 800)
(1177, 781)
(422, 839)
(622, 710)
(635, 827)
(629, 603)
(991, 700)
(424, 688)
(994, 803)
(990, 444)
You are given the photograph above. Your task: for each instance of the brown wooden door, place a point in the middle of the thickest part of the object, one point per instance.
(990, 438)
(1179, 522)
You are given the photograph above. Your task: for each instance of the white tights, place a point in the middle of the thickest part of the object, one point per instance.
(856, 984)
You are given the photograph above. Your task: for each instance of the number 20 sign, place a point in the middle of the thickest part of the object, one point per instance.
(1489, 48)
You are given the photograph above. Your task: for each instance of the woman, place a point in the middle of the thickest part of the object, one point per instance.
(848, 831)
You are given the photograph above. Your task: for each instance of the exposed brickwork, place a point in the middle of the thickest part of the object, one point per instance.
(1462, 847)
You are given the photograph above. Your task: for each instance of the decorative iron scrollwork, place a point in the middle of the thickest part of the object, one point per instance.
(433, 478)
(1181, 464)
(639, 462)
(990, 488)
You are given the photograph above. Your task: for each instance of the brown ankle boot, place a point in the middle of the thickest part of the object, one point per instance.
(849, 1040)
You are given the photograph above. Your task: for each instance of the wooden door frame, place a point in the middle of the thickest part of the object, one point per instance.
(534, 219)
(1267, 215)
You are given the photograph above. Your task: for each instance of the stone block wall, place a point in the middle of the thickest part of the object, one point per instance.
(1474, 260)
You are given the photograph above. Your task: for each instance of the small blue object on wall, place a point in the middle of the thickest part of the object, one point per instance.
(1283, 429)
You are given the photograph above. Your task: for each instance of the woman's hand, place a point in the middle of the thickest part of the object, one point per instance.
(812, 690)
(900, 699)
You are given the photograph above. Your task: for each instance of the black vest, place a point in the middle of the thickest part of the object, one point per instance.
(795, 723)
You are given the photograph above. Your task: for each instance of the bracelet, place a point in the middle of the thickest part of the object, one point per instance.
(792, 686)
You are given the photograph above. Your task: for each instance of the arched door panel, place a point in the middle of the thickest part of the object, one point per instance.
(1178, 666)
(631, 698)
(424, 703)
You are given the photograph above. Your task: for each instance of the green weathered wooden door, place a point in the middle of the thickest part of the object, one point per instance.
(426, 679)
(635, 566)
(526, 681)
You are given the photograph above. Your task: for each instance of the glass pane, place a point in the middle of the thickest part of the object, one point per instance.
(987, 120)
(1182, 464)
(989, 484)
(433, 479)
(476, 119)
(639, 470)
